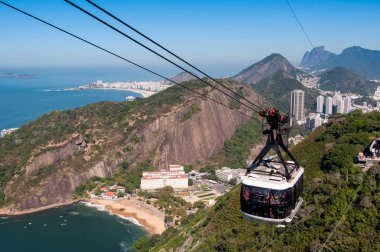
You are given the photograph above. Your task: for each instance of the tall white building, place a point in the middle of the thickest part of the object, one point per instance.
(175, 178)
(376, 96)
(320, 101)
(339, 104)
(297, 105)
(347, 104)
(314, 120)
(328, 106)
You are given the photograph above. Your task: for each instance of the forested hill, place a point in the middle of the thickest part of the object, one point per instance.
(342, 79)
(277, 91)
(332, 182)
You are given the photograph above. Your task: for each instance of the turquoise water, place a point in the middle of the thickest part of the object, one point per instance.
(25, 99)
(71, 228)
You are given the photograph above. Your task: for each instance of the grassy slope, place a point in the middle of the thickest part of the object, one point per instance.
(327, 195)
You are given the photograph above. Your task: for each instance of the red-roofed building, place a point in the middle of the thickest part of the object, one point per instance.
(104, 189)
(109, 195)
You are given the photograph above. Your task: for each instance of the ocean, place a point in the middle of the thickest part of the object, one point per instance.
(80, 228)
(75, 228)
(25, 99)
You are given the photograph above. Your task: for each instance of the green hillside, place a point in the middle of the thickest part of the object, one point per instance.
(331, 183)
(342, 79)
(277, 91)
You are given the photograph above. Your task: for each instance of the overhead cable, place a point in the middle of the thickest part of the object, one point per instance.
(158, 54)
(120, 57)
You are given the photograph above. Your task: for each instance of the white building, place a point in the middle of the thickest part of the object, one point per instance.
(339, 104)
(175, 178)
(297, 105)
(329, 106)
(5, 132)
(320, 101)
(314, 120)
(226, 174)
(376, 96)
(347, 104)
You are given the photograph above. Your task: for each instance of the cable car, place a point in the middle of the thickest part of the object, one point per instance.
(271, 190)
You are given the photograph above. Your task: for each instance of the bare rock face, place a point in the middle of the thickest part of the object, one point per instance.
(169, 140)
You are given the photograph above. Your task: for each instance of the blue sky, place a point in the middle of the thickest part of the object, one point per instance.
(217, 33)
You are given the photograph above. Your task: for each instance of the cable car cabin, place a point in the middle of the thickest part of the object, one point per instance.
(267, 195)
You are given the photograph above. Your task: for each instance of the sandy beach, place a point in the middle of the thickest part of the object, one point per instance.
(146, 215)
(144, 93)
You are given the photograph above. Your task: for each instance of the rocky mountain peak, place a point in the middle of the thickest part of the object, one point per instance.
(266, 68)
(315, 56)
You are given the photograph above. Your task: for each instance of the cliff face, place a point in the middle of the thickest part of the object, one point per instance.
(172, 141)
(160, 130)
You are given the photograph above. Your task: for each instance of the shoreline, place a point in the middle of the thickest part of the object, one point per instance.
(134, 211)
(129, 209)
(11, 212)
(144, 93)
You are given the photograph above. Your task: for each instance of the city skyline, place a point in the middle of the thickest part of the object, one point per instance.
(252, 31)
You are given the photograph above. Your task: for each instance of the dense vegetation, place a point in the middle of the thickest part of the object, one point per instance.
(236, 149)
(277, 91)
(342, 79)
(332, 184)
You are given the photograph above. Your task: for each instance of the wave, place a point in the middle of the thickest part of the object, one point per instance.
(98, 207)
(102, 208)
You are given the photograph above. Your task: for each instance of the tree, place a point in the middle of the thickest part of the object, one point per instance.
(120, 194)
(199, 204)
(340, 157)
(142, 244)
(188, 168)
(232, 181)
(125, 165)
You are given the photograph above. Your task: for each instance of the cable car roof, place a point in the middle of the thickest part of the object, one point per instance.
(262, 177)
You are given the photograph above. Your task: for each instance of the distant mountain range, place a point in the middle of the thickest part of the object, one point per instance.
(275, 77)
(363, 62)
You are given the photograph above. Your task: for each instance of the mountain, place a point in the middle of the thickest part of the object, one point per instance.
(181, 77)
(274, 78)
(363, 62)
(43, 162)
(315, 56)
(266, 68)
(277, 91)
(342, 79)
(335, 192)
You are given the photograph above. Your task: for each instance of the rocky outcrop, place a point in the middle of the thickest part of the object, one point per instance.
(181, 77)
(170, 141)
